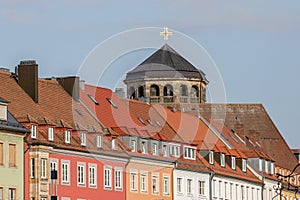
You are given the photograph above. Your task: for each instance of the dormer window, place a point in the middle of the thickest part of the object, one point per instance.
(266, 166)
(114, 144)
(99, 141)
(190, 153)
(165, 150)
(222, 159)
(67, 136)
(175, 150)
(133, 145)
(211, 157)
(272, 168)
(260, 164)
(233, 162)
(83, 139)
(50, 134)
(93, 99)
(244, 165)
(33, 131)
(143, 147)
(154, 149)
(112, 103)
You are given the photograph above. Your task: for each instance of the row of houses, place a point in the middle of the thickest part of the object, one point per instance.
(63, 139)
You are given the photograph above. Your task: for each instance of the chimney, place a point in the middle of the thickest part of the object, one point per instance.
(3, 109)
(71, 85)
(28, 78)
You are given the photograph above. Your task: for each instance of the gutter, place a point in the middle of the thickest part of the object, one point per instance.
(211, 176)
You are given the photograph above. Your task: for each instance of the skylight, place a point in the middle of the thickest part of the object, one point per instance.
(141, 120)
(93, 99)
(112, 103)
(78, 111)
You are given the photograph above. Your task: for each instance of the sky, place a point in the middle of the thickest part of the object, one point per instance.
(254, 44)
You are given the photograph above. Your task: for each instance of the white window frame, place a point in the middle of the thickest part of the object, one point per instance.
(179, 185)
(144, 182)
(143, 146)
(1, 193)
(32, 168)
(12, 193)
(156, 178)
(233, 163)
(67, 136)
(154, 149)
(133, 180)
(114, 144)
(65, 172)
(222, 159)
(50, 133)
(133, 145)
(165, 150)
(166, 184)
(118, 178)
(201, 187)
(83, 139)
(211, 157)
(189, 183)
(81, 174)
(43, 168)
(175, 150)
(99, 141)
(107, 177)
(244, 165)
(92, 175)
(190, 153)
(33, 131)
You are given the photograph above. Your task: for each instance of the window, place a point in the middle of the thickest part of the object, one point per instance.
(143, 147)
(165, 150)
(113, 144)
(83, 139)
(201, 187)
(133, 145)
(166, 185)
(12, 153)
(99, 141)
(1, 193)
(154, 149)
(133, 181)
(144, 182)
(92, 175)
(189, 186)
(107, 177)
(32, 167)
(81, 174)
(155, 185)
(179, 185)
(33, 131)
(112, 103)
(43, 168)
(65, 172)
(1, 154)
(50, 134)
(233, 162)
(67, 136)
(175, 150)
(53, 169)
(189, 153)
(244, 165)
(272, 168)
(118, 178)
(93, 99)
(222, 158)
(12, 194)
(226, 190)
(243, 192)
(211, 157)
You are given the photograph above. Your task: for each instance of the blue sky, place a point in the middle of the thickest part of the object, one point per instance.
(255, 44)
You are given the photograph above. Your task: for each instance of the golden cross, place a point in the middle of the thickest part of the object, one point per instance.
(166, 33)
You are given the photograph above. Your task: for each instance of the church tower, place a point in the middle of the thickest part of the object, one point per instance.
(168, 79)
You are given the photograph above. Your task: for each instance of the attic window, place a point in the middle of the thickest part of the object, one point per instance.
(240, 138)
(222, 158)
(234, 138)
(112, 103)
(141, 120)
(211, 157)
(83, 139)
(257, 144)
(233, 162)
(114, 144)
(244, 165)
(93, 99)
(157, 122)
(78, 111)
(33, 131)
(99, 141)
(50, 134)
(150, 122)
(67, 136)
(190, 153)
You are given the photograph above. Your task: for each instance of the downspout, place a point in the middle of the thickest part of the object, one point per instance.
(262, 188)
(211, 176)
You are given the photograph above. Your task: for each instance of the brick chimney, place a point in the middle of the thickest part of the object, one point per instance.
(71, 85)
(28, 78)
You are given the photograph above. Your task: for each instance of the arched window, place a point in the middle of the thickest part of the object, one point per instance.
(184, 90)
(132, 94)
(168, 90)
(195, 91)
(141, 91)
(154, 90)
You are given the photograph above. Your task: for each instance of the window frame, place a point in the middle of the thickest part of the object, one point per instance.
(92, 175)
(107, 183)
(244, 165)
(83, 139)
(32, 167)
(144, 182)
(65, 173)
(67, 136)
(233, 162)
(120, 171)
(222, 159)
(33, 131)
(133, 181)
(51, 134)
(189, 183)
(179, 185)
(156, 178)
(201, 187)
(14, 193)
(99, 141)
(211, 158)
(133, 145)
(189, 152)
(166, 184)
(81, 174)
(15, 155)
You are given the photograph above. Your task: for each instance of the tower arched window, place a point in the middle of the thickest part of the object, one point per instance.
(132, 94)
(168, 90)
(141, 91)
(184, 90)
(154, 90)
(195, 91)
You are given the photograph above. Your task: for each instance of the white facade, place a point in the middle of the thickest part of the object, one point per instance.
(269, 192)
(189, 185)
(226, 188)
